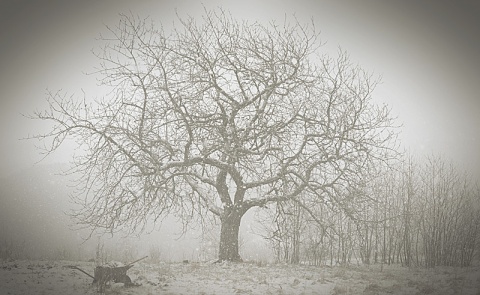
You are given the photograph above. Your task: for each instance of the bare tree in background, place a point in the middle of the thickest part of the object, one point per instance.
(217, 116)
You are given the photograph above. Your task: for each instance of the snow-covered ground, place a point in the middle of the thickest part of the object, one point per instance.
(54, 277)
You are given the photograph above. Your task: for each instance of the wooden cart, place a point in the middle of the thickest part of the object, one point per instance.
(105, 273)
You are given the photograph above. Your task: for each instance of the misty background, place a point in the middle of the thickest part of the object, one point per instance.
(426, 54)
(34, 225)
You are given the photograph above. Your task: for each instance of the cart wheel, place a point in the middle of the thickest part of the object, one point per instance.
(127, 281)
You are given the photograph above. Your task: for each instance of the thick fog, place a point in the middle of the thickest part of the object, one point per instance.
(33, 220)
(426, 54)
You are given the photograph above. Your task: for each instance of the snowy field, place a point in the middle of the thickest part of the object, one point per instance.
(54, 277)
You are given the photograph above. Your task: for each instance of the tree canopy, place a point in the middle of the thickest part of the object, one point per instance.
(218, 116)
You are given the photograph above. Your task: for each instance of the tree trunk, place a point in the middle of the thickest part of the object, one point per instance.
(229, 236)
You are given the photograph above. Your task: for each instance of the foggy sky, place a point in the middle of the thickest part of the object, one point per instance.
(426, 54)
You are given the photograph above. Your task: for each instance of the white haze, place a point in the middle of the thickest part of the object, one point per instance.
(33, 207)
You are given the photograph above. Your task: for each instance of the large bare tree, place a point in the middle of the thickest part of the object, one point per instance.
(217, 116)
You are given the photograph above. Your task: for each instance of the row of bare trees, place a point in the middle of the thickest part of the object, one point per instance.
(423, 213)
